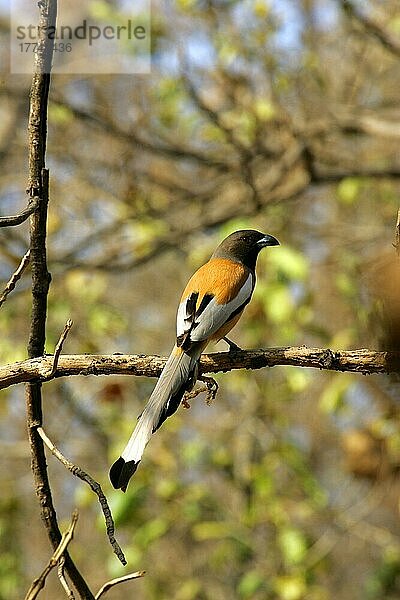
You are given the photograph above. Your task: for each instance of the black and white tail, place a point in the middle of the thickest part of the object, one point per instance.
(178, 375)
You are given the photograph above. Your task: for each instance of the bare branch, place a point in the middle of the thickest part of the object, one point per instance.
(397, 234)
(372, 172)
(94, 485)
(109, 584)
(38, 584)
(15, 277)
(369, 124)
(32, 205)
(363, 361)
(38, 186)
(59, 348)
(168, 151)
(63, 581)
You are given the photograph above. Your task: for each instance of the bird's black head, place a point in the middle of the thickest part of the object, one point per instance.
(243, 246)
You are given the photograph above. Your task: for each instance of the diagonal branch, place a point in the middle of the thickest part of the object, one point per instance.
(94, 485)
(39, 583)
(16, 276)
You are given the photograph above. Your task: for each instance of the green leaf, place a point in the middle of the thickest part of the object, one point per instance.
(293, 545)
(101, 10)
(297, 379)
(151, 531)
(188, 590)
(346, 285)
(289, 262)
(208, 530)
(59, 114)
(250, 583)
(278, 303)
(348, 190)
(332, 397)
(290, 588)
(264, 110)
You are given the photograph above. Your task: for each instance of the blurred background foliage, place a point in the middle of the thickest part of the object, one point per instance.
(281, 116)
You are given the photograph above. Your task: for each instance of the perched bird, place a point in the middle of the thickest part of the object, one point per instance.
(211, 304)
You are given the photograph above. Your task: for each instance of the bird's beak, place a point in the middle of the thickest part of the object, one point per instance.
(267, 240)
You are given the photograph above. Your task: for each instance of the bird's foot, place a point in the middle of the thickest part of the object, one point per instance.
(185, 403)
(211, 388)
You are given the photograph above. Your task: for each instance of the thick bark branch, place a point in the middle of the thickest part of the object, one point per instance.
(38, 187)
(357, 361)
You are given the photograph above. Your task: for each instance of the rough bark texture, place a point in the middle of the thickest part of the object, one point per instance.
(358, 361)
(38, 187)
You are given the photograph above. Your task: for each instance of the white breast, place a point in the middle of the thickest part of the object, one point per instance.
(214, 315)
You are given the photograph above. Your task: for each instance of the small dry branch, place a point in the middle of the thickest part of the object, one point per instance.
(397, 234)
(109, 584)
(16, 276)
(64, 583)
(58, 348)
(94, 485)
(38, 584)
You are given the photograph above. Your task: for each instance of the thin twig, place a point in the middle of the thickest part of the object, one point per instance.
(30, 208)
(38, 584)
(59, 347)
(94, 485)
(15, 277)
(109, 584)
(63, 581)
(397, 234)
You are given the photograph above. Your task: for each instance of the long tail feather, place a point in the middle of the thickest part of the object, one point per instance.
(174, 380)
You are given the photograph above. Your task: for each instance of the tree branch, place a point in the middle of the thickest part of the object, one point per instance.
(109, 584)
(59, 347)
(397, 234)
(94, 486)
(38, 186)
(22, 216)
(363, 361)
(15, 277)
(38, 584)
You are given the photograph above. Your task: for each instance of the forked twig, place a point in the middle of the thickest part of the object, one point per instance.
(39, 582)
